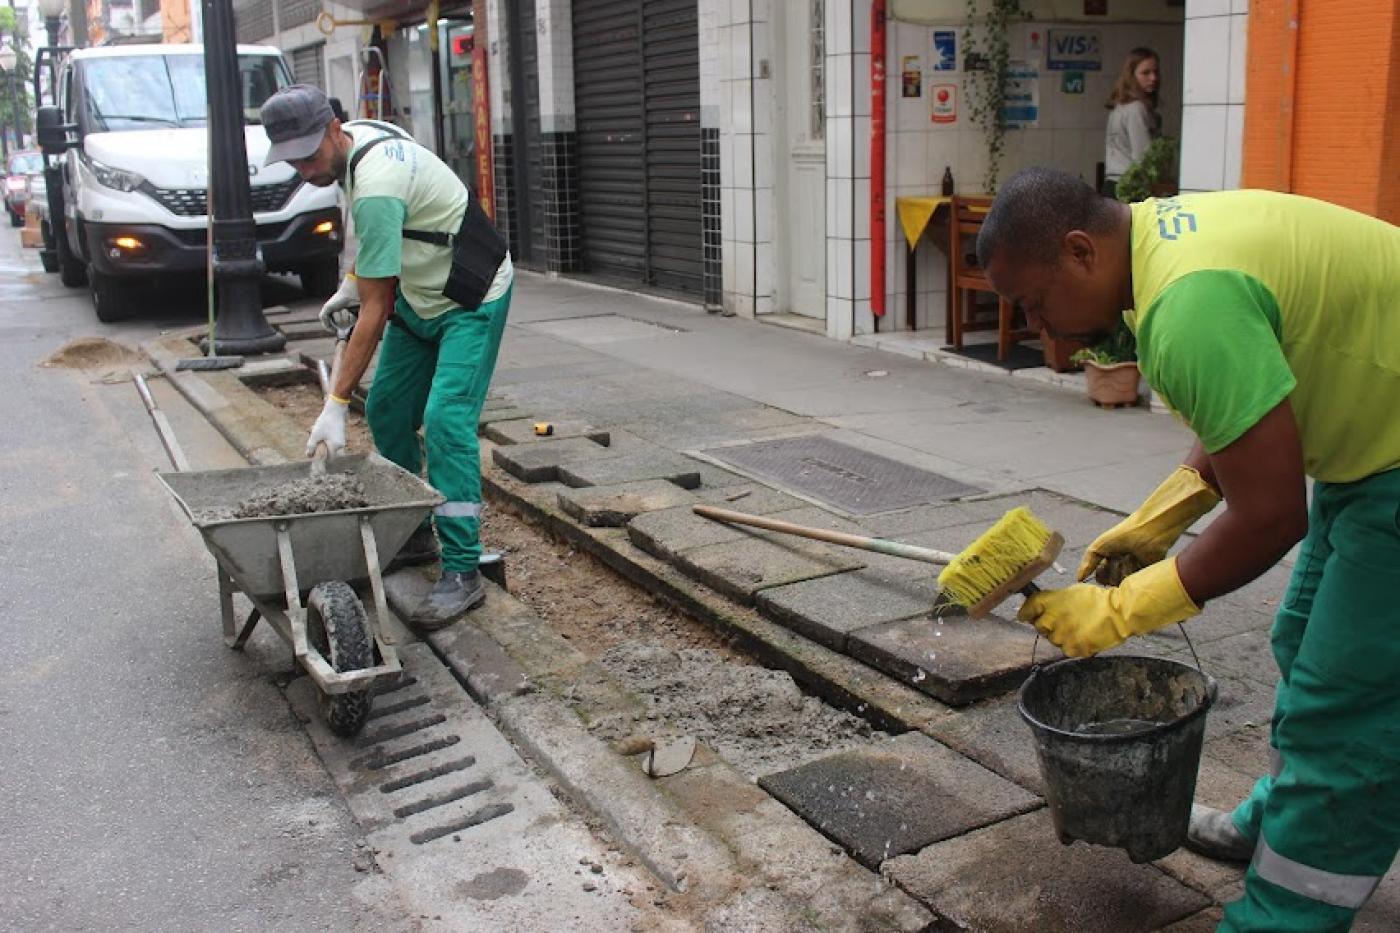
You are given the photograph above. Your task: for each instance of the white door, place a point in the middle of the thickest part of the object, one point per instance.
(801, 175)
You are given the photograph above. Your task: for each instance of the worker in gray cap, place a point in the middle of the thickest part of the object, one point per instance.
(430, 264)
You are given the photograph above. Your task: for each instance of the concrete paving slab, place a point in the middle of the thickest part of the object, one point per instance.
(735, 425)
(1207, 921)
(666, 532)
(1220, 620)
(993, 734)
(787, 854)
(899, 525)
(1242, 702)
(1247, 654)
(827, 609)
(754, 498)
(522, 431)
(1016, 877)
(954, 658)
(887, 800)
(1222, 787)
(504, 413)
(740, 569)
(613, 471)
(1245, 750)
(539, 463)
(615, 506)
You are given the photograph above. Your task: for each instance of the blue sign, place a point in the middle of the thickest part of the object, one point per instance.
(1074, 50)
(945, 50)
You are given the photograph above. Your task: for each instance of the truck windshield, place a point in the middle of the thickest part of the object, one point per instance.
(147, 92)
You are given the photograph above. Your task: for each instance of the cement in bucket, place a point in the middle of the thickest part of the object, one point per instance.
(1119, 742)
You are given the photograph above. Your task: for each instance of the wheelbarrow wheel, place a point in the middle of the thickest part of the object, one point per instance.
(336, 627)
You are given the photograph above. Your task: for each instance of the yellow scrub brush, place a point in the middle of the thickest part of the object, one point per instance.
(1004, 560)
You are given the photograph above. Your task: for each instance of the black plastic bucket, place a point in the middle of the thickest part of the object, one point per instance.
(1119, 742)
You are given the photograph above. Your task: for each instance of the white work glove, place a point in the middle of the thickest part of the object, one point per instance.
(347, 296)
(329, 428)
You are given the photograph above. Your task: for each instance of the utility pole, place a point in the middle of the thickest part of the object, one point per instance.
(241, 328)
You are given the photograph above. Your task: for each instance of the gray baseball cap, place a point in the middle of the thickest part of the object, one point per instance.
(295, 119)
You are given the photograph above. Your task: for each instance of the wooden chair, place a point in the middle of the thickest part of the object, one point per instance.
(968, 279)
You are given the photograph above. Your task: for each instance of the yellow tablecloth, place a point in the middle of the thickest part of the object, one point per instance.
(915, 211)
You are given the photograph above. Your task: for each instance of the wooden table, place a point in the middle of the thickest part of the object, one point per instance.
(916, 215)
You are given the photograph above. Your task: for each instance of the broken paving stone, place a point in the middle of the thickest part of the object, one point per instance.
(615, 506)
(896, 797)
(827, 609)
(740, 569)
(539, 463)
(1017, 876)
(754, 498)
(956, 659)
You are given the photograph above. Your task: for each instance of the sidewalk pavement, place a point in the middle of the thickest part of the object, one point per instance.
(657, 405)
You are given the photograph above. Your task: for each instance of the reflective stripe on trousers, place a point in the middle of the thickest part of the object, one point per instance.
(1349, 891)
(458, 510)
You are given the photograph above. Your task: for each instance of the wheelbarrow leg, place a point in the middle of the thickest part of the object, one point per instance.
(387, 653)
(234, 639)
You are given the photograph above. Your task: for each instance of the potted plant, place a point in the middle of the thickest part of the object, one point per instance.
(1111, 369)
(1153, 175)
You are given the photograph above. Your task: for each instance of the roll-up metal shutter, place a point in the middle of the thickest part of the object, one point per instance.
(671, 52)
(610, 137)
(253, 23)
(309, 65)
(525, 120)
(637, 94)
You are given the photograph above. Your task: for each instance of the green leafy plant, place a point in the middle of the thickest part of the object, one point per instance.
(1157, 166)
(987, 51)
(14, 93)
(1120, 347)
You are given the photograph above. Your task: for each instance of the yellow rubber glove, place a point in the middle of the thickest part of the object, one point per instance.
(1086, 619)
(1144, 537)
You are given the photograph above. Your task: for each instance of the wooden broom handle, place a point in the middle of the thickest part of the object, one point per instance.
(863, 542)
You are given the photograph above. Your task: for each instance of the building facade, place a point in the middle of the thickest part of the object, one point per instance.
(721, 151)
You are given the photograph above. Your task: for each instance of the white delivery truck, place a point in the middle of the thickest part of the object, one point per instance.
(131, 130)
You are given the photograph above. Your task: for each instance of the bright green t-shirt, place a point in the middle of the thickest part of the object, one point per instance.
(1245, 298)
(400, 184)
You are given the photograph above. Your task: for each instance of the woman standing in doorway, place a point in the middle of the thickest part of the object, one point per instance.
(1134, 121)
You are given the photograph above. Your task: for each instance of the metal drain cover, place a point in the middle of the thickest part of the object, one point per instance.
(840, 475)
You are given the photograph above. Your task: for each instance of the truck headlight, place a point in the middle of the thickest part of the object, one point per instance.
(115, 178)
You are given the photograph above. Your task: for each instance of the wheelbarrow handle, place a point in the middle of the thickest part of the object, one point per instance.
(162, 423)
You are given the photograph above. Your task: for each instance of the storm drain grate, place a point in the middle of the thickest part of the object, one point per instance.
(851, 479)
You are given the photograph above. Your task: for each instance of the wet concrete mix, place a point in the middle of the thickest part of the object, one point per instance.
(329, 493)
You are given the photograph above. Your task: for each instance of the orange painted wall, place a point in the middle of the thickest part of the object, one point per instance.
(1322, 101)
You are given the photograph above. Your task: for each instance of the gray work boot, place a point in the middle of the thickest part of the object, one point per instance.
(1212, 833)
(451, 598)
(420, 548)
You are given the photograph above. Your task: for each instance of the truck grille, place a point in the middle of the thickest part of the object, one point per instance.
(189, 202)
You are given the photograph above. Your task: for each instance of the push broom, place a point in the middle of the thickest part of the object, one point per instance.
(1006, 558)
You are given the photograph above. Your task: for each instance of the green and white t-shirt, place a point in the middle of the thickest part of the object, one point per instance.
(1245, 298)
(400, 184)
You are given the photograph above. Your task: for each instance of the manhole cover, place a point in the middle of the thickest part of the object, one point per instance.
(598, 329)
(838, 474)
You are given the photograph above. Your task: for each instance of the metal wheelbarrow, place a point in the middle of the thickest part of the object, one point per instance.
(298, 570)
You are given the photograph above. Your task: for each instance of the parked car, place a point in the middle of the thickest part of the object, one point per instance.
(131, 133)
(19, 171)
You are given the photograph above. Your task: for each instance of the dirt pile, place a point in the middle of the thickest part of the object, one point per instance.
(756, 719)
(92, 353)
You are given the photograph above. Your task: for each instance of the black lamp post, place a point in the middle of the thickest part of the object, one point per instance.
(238, 266)
(7, 64)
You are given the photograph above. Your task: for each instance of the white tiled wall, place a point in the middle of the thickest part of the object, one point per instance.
(848, 168)
(555, 30)
(498, 51)
(1213, 112)
(741, 74)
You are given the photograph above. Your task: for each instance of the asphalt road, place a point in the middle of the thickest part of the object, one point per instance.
(150, 778)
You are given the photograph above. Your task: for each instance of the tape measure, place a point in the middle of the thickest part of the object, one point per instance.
(544, 429)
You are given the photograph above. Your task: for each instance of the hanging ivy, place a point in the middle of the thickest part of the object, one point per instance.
(987, 64)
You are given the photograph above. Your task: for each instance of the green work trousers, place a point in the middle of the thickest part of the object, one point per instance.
(1327, 820)
(433, 374)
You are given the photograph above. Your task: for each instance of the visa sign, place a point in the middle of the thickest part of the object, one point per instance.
(1074, 50)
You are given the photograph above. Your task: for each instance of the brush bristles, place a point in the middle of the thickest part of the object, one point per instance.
(997, 556)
